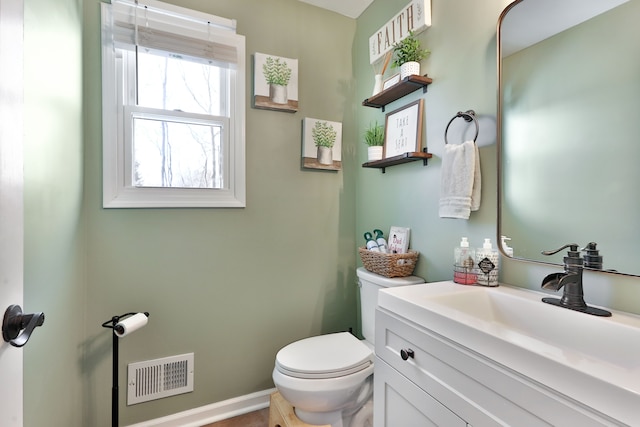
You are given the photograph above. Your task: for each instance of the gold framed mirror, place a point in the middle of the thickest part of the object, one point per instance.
(568, 135)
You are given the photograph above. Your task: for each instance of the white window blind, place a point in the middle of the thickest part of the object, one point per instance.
(165, 28)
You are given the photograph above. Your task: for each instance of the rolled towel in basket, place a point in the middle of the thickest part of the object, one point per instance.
(460, 182)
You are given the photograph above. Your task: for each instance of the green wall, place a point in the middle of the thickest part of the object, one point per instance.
(462, 65)
(231, 285)
(235, 285)
(54, 364)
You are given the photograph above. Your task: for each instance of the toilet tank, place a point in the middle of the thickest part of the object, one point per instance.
(369, 284)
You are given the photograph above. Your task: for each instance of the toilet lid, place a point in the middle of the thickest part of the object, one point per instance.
(324, 356)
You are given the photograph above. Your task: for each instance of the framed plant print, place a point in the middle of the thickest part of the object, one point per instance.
(403, 130)
(321, 144)
(275, 83)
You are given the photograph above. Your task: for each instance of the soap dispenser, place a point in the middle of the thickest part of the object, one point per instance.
(463, 267)
(505, 247)
(487, 264)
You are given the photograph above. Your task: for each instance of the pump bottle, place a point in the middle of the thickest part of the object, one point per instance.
(487, 264)
(505, 247)
(463, 271)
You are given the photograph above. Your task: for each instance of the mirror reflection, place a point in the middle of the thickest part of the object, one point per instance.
(569, 129)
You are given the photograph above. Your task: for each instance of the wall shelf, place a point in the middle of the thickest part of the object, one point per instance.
(406, 86)
(397, 160)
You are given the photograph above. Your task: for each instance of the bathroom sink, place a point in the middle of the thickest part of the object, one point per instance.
(591, 359)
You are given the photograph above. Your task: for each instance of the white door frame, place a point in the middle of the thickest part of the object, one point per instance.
(11, 201)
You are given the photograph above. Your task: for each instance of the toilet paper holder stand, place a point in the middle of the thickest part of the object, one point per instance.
(119, 325)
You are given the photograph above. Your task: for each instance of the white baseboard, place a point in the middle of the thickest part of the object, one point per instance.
(218, 411)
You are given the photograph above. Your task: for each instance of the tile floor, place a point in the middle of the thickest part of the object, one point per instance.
(252, 419)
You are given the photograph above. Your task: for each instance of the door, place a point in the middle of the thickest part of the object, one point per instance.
(11, 202)
(399, 402)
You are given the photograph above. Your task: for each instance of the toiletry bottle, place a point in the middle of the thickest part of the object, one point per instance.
(372, 245)
(382, 243)
(506, 248)
(463, 271)
(487, 264)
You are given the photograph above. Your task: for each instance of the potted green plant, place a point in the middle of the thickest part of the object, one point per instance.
(374, 138)
(324, 136)
(277, 73)
(407, 55)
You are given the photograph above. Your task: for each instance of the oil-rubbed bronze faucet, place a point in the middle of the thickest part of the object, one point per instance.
(571, 281)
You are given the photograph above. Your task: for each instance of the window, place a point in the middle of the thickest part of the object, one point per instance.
(173, 107)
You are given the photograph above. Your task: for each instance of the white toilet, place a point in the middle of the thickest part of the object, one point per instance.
(328, 379)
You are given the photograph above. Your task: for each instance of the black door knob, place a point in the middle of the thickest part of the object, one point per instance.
(15, 321)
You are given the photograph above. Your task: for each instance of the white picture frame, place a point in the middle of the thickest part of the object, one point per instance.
(321, 157)
(391, 81)
(277, 97)
(403, 130)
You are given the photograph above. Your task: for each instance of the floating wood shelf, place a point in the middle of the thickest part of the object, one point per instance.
(397, 160)
(406, 86)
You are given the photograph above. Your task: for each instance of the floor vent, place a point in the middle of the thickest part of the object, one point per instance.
(155, 379)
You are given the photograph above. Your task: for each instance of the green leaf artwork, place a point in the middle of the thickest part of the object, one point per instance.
(323, 134)
(276, 71)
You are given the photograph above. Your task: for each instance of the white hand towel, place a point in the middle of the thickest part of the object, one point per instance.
(477, 182)
(460, 182)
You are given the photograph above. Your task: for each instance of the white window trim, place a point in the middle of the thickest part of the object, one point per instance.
(117, 193)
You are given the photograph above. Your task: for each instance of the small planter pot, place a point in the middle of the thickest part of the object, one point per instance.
(409, 69)
(325, 155)
(278, 94)
(374, 153)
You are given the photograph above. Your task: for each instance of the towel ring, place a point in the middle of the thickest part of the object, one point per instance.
(468, 116)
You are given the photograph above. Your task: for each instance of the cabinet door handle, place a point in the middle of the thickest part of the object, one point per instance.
(406, 354)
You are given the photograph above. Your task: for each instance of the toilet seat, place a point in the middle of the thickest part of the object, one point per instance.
(324, 356)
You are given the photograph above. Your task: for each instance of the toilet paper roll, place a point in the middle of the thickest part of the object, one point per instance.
(130, 324)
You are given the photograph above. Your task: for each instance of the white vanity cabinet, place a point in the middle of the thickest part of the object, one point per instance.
(445, 384)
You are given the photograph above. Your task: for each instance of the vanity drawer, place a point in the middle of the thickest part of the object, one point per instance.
(473, 387)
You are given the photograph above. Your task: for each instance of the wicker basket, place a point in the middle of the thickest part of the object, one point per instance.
(389, 265)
